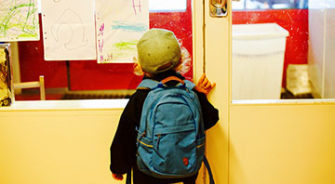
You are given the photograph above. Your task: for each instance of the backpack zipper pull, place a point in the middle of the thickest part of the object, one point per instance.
(158, 139)
(143, 134)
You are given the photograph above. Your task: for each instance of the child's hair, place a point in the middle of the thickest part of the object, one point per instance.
(185, 60)
(160, 51)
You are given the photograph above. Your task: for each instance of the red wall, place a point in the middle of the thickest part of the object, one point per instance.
(295, 21)
(88, 75)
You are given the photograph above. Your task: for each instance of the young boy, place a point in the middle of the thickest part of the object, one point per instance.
(159, 56)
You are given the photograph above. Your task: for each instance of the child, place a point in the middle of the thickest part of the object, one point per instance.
(159, 56)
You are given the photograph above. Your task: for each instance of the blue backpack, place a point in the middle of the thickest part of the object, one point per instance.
(171, 138)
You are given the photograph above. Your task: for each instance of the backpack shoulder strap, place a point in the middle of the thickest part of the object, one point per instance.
(147, 84)
(211, 178)
(190, 85)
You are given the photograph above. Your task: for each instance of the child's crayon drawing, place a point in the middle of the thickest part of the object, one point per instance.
(120, 23)
(19, 20)
(68, 30)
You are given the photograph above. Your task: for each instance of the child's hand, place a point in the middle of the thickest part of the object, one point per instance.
(118, 176)
(204, 85)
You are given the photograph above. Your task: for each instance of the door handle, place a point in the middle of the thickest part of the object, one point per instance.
(218, 8)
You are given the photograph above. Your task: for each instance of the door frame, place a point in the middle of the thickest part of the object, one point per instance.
(213, 53)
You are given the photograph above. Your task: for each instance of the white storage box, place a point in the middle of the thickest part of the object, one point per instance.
(258, 59)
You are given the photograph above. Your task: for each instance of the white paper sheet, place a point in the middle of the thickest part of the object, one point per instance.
(120, 24)
(68, 29)
(19, 20)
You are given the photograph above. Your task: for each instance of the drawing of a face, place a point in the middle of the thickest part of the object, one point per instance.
(73, 37)
(69, 30)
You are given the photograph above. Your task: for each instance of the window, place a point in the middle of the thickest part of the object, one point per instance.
(269, 4)
(167, 6)
(157, 5)
(282, 49)
(89, 80)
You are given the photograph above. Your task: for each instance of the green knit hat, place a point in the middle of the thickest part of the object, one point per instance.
(158, 51)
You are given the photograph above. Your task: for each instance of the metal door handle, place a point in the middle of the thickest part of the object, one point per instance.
(218, 8)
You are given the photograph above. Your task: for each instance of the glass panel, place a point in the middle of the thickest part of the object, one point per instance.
(283, 49)
(167, 6)
(269, 4)
(89, 80)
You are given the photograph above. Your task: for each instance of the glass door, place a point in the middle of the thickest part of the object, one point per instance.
(281, 111)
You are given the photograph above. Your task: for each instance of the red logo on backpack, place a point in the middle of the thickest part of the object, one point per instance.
(185, 161)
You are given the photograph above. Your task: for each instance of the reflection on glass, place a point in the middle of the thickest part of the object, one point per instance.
(300, 66)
